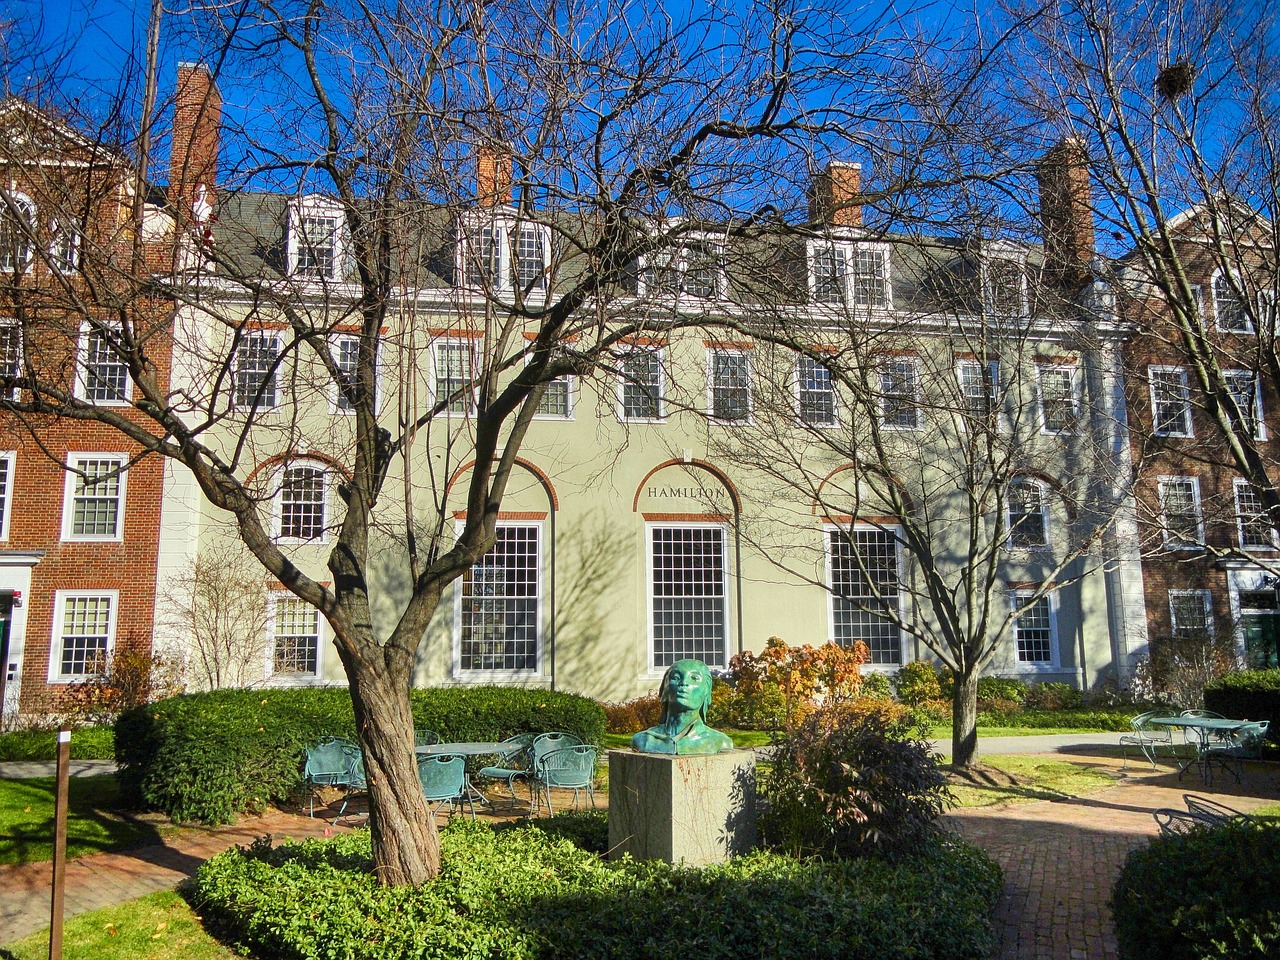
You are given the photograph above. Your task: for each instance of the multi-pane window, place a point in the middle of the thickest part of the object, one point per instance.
(454, 374)
(1246, 391)
(869, 278)
(295, 635)
(531, 258)
(1252, 520)
(979, 388)
(865, 587)
(6, 492)
(302, 503)
(730, 385)
(85, 627)
(815, 393)
(1229, 309)
(900, 393)
(689, 596)
(1191, 614)
(557, 399)
(483, 257)
(1033, 630)
(17, 227)
(1180, 512)
(255, 372)
(499, 597)
(94, 499)
(1058, 404)
(640, 384)
(701, 269)
(829, 273)
(1170, 401)
(1028, 520)
(317, 247)
(64, 246)
(346, 357)
(693, 269)
(1006, 287)
(104, 376)
(10, 356)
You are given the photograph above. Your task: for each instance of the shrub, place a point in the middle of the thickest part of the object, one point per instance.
(777, 687)
(917, 683)
(1247, 693)
(1210, 893)
(210, 756)
(853, 780)
(876, 686)
(1002, 688)
(129, 678)
(1053, 696)
(521, 894)
(634, 715)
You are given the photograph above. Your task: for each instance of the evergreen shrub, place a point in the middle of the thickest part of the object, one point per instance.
(210, 756)
(1209, 893)
(1252, 694)
(521, 894)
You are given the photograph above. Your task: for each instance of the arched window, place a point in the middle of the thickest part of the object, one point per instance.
(17, 231)
(303, 502)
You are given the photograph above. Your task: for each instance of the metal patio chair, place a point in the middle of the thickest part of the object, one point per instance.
(1204, 807)
(569, 768)
(425, 738)
(514, 763)
(1174, 822)
(334, 762)
(1243, 743)
(444, 780)
(1146, 739)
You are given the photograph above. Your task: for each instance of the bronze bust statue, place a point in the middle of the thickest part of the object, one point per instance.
(685, 696)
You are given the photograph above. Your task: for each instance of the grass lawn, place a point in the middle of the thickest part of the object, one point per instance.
(94, 823)
(160, 926)
(1015, 779)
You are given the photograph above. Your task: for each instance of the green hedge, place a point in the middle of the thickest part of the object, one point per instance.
(521, 894)
(1254, 694)
(1211, 893)
(1115, 719)
(211, 756)
(87, 743)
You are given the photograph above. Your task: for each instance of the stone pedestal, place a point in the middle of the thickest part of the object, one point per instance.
(695, 810)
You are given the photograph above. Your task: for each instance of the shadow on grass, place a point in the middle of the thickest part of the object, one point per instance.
(95, 820)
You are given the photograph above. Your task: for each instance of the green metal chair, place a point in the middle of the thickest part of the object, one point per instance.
(1244, 743)
(569, 768)
(425, 738)
(334, 762)
(444, 780)
(514, 763)
(1173, 822)
(1204, 807)
(1146, 739)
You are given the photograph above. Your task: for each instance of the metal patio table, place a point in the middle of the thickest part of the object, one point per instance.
(468, 749)
(1207, 729)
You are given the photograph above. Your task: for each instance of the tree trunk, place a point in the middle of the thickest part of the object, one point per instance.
(406, 846)
(964, 719)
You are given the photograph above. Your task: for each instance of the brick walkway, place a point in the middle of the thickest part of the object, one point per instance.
(1060, 859)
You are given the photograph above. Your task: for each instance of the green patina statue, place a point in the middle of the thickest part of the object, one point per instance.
(685, 696)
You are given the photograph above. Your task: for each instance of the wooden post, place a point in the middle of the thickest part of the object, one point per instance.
(59, 845)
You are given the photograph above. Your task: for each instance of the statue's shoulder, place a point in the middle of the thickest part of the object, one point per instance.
(652, 740)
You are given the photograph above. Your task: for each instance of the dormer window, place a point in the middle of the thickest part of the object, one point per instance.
(694, 269)
(1004, 286)
(17, 227)
(504, 254)
(850, 273)
(317, 239)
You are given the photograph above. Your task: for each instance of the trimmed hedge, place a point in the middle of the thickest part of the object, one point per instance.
(210, 756)
(87, 743)
(1101, 718)
(520, 894)
(1209, 893)
(1254, 694)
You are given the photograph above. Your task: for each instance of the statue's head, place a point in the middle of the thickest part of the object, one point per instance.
(687, 686)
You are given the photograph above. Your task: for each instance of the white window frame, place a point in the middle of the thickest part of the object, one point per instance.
(8, 462)
(12, 201)
(988, 378)
(1259, 431)
(292, 679)
(654, 669)
(1017, 264)
(88, 333)
(1206, 600)
(913, 364)
(65, 245)
(58, 638)
(277, 517)
(1239, 485)
(14, 362)
(489, 675)
(570, 385)
(1168, 375)
(1041, 492)
(1050, 599)
(315, 206)
(1220, 288)
(500, 271)
(849, 281)
(465, 404)
(270, 375)
(75, 460)
(335, 395)
(1171, 540)
(659, 355)
(713, 386)
(830, 532)
(1073, 387)
(797, 382)
(677, 261)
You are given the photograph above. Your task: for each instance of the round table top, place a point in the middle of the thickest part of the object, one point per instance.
(462, 749)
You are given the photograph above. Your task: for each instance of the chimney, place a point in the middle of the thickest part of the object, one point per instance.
(493, 176)
(833, 198)
(197, 115)
(1066, 212)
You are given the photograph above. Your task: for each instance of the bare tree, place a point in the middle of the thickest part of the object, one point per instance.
(349, 241)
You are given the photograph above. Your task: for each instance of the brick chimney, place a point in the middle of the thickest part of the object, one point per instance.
(1066, 212)
(493, 176)
(833, 198)
(197, 115)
